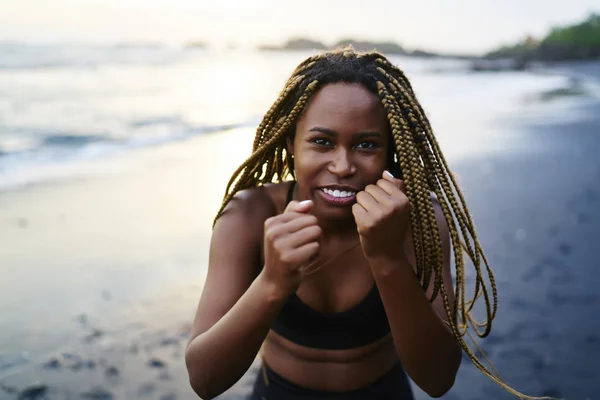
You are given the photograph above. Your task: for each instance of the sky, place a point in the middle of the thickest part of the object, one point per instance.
(465, 26)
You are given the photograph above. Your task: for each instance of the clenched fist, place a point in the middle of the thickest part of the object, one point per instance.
(291, 240)
(382, 218)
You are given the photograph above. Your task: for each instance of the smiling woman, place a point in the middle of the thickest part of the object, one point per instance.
(341, 274)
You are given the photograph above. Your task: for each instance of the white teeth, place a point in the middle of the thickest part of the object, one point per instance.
(338, 193)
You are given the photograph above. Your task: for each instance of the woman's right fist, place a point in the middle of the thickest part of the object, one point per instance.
(291, 240)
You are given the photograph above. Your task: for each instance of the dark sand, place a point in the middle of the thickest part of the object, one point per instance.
(538, 217)
(537, 210)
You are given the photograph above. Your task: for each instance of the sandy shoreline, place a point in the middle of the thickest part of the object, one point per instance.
(537, 211)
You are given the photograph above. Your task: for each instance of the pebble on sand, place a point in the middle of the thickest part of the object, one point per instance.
(111, 371)
(156, 363)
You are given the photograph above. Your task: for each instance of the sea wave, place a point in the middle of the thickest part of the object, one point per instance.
(35, 158)
(35, 142)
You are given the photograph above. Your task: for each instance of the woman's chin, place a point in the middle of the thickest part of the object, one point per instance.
(332, 211)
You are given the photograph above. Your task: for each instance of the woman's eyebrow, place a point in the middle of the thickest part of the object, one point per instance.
(326, 131)
(362, 135)
(331, 132)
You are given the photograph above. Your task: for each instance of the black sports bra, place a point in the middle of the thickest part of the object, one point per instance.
(362, 324)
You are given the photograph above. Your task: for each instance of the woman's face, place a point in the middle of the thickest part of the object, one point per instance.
(339, 148)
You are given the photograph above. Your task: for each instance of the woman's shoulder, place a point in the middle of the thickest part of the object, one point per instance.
(256, 204)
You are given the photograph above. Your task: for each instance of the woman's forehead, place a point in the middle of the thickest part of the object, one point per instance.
(346, 102)
(351, 95)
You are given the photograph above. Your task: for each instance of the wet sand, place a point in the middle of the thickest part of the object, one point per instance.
(536, 208)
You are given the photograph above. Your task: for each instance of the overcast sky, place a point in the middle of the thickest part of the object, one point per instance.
(469, 26)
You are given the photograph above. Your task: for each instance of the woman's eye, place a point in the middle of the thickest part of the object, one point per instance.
(321, 142)
(367, 145)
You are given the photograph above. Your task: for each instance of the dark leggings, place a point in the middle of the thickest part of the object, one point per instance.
(271, 386)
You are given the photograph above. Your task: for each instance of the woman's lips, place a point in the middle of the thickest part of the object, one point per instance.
(337, 201)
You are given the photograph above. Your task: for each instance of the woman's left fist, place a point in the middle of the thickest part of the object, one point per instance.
(382, 217)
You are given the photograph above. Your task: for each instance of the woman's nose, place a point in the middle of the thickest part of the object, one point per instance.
(342, 164)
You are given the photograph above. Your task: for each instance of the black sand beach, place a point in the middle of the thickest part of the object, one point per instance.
(537, 211)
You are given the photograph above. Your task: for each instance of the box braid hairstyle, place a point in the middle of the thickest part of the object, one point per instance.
(416, 158)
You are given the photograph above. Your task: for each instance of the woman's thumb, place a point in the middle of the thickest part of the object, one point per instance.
(299, 206)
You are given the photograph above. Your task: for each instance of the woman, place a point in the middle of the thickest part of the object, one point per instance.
(342, 274)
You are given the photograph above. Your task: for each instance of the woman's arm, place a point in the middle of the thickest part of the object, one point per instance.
(427, 348)
(425, 344)
(236, 310)
(217, 358)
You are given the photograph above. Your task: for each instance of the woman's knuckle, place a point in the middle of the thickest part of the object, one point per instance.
(278, 245)
(269, 222)
(286, 258)
(269, 235)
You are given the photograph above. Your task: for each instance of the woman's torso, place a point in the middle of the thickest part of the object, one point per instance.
(343, 289)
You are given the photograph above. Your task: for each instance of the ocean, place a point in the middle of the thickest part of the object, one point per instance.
(69, 110)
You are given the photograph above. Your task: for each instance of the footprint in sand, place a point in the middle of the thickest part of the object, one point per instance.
(98, 393)
(532, 273)
(561, 273)
(112, 375)
(92, 336)
(560, 299)
(529, 330)
(520, 304)
(534, 359)
(591, 195)
(164, 376)
(146, 389)
(564, 248)
(551, 392)
(553, 230)
(582, 217)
